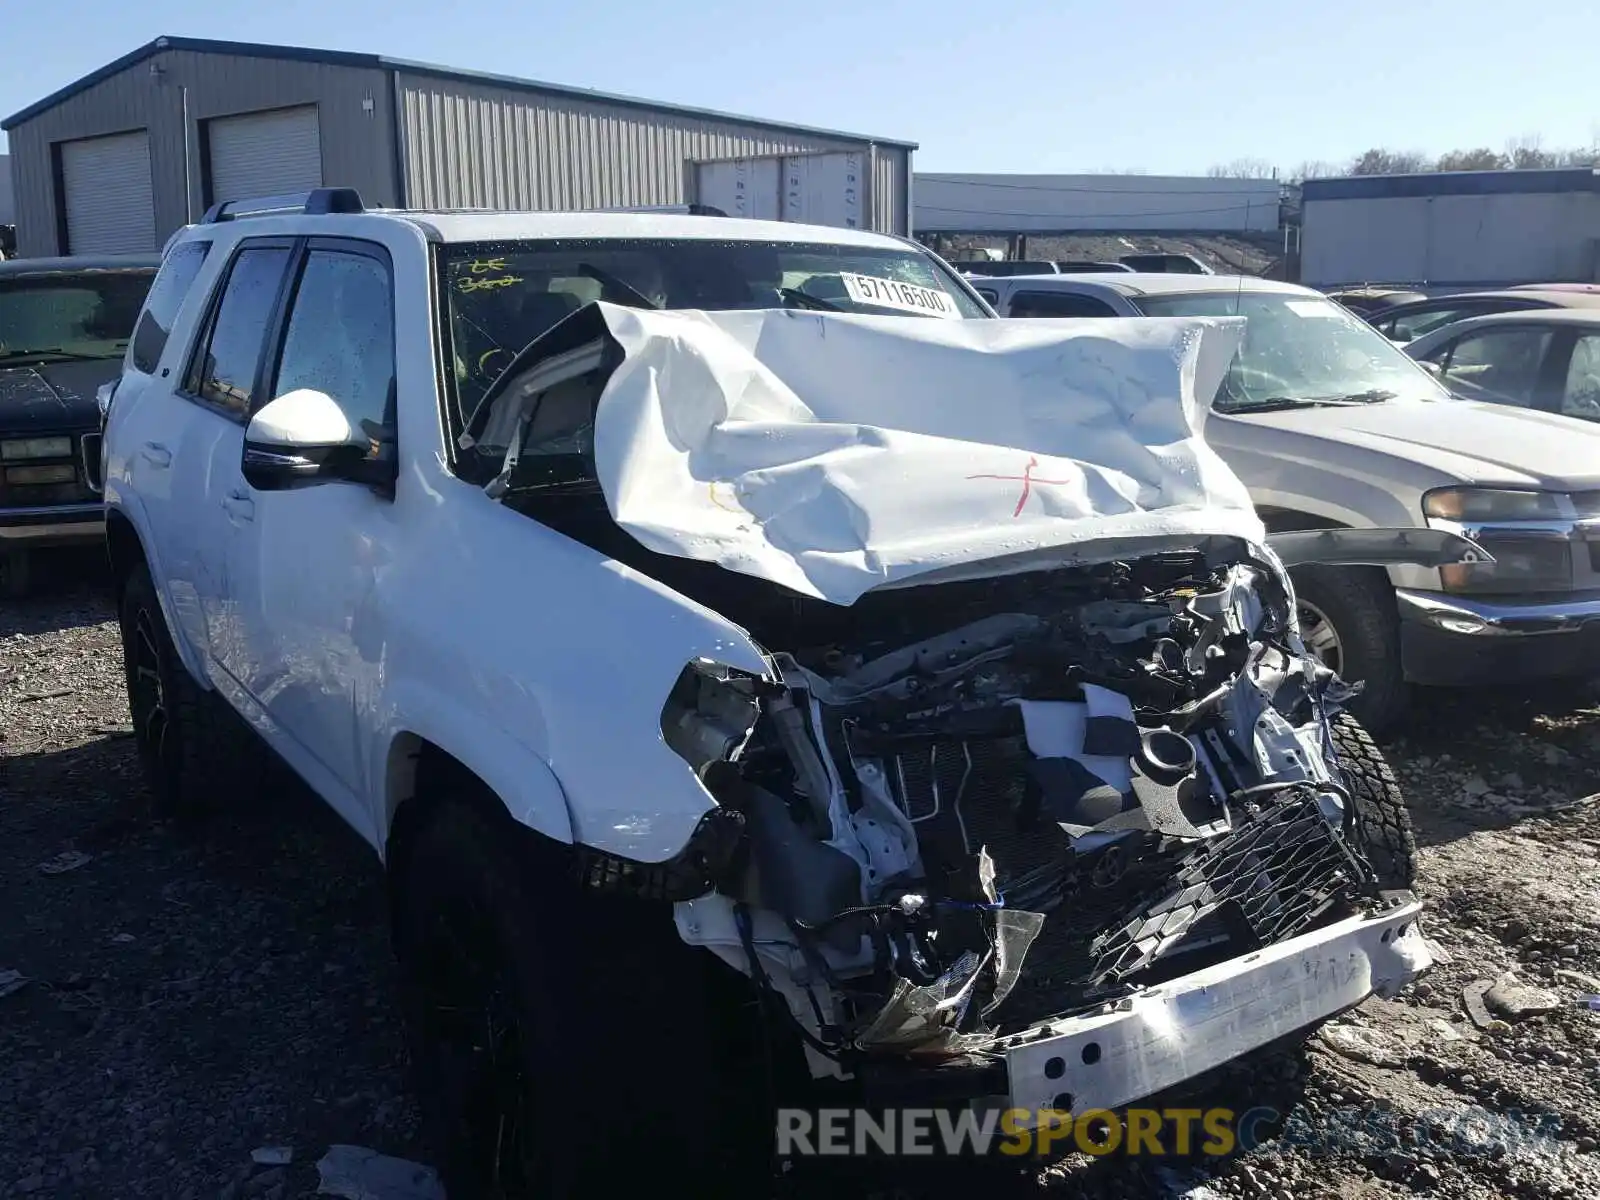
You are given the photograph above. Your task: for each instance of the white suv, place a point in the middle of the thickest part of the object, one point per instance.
(806, 632)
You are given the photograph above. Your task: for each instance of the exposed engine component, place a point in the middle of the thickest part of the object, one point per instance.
(977, 806)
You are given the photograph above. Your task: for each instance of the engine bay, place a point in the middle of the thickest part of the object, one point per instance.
(970, 807)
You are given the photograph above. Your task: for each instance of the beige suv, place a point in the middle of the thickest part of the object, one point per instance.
(1331, 426)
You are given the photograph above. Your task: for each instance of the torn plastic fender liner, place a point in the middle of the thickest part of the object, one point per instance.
(1376, 548)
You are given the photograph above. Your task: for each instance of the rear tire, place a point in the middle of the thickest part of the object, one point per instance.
(193, 748)
(1382, 822)
(1355, 608)
(16, 574)
(562, 1042)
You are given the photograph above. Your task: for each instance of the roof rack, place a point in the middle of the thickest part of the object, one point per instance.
(317, 202)
(693, 210)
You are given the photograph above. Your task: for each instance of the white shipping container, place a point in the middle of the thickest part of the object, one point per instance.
(1453, 230)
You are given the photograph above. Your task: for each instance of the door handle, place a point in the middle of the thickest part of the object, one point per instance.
(239, 505)
(156, 454)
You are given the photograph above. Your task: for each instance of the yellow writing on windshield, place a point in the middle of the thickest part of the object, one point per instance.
(482, 285)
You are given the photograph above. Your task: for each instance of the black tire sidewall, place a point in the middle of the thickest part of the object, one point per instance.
(626, 1082)
(1383, 827)
(1359, 603)
(139, 598)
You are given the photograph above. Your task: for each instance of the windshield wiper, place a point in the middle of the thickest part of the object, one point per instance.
(1370, 396)
(53, 352)
(1278, 403)
(632, 295)
(801, 299)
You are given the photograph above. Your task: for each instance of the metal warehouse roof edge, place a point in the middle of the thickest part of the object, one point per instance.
(350, 58)
(1452, 183)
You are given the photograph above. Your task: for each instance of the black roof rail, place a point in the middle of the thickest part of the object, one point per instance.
(317, 202)
(692, 210)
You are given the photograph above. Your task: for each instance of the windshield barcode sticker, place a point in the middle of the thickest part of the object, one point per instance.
(891, 293)
(1313, 308)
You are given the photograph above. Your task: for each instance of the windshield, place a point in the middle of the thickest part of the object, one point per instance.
(1301, 349)
(503, 295)
(69, 315)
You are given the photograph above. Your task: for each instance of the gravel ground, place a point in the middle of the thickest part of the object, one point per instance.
(193, 994)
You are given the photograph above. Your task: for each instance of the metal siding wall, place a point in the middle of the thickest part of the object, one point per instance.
(891, 208)
(1363, 241)
(357, 146)
(8, 204)
(470, 145)
(1451, 240)
(1077, 203)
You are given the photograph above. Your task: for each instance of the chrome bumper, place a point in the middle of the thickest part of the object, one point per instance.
(20, 527)
(1165, 1035)
(1490, 618)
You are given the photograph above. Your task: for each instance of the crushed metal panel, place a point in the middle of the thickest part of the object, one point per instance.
(834, 454)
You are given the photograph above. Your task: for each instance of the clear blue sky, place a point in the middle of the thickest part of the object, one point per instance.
(1166, 86)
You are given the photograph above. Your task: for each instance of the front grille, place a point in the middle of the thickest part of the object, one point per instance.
(1524, 563)
(45, 495)
(1139, 912)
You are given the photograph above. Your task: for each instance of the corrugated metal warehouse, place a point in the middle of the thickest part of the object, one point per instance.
(1043, 204)
(1456, 229)
(119, 159)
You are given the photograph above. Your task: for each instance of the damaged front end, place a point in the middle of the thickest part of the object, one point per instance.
(979, 812)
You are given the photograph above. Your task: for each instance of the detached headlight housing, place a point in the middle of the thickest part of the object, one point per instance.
(21, 449)
(1529, 533)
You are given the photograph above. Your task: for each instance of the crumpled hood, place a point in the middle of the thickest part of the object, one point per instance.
(1473, 442)
(836, 453)
(52, 398)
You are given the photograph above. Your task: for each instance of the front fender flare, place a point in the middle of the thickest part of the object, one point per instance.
(522, 780)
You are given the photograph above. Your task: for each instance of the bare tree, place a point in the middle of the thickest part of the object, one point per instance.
(1390, 162)
(1527, 153)
(1482, 159)
(1243, 168)
(1315, 170)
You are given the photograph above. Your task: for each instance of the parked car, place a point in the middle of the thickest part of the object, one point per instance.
(1364, 301)
(1404, 323)
(64, 325)
(1332, 426)
(1182, 264)
(1545, 359)
(1591, 288)
(1083, 267)
(644, 644)
(994, 269)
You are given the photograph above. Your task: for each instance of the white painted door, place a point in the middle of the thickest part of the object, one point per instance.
(302, 574)
(264, 153)
(109, 199)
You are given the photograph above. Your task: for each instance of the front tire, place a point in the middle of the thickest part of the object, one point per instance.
(1348, 620)
(562, 1042)
(1382, 821)
(193, 749)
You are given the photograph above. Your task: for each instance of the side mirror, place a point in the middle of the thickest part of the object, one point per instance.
(303, 438)
(1432, 368)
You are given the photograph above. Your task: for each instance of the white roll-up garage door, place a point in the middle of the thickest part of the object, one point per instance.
(109, 201)
(264, 154)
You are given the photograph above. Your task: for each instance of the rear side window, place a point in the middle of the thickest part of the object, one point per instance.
(161, 306)
(223, 374)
